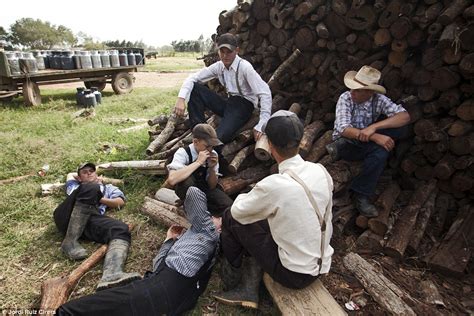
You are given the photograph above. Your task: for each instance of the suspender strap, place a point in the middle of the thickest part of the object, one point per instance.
(190, 156)
(322, 220)
(237, 79)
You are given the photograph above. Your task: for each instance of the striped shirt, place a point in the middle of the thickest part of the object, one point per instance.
(350, 114)
(194, 248)
(108, 190)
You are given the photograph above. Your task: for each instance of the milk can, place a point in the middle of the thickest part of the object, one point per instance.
(105, 59)
(96, 63)
(123, 59)
(86, 61)
(14, 63)
(138, 58)
(77, 59)
(89, 98)
(131, 58)
(80, 96)
(28, 63)
(39, 60)
(97, 94)
(67, 62)
(114, 58)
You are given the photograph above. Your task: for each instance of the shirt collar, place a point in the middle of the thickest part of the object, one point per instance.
(290, 163)
(194, 152)
(234, 64)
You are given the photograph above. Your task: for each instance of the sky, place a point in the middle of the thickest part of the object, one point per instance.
(156, 23)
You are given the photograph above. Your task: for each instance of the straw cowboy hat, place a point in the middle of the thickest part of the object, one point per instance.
(366, 78)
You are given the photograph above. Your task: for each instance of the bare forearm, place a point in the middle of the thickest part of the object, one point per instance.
(177, 176)
(113, 203)
(351, 133)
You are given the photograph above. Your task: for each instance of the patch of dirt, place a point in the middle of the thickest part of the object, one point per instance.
(163, 80)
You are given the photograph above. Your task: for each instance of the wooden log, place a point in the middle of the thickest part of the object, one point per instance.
(463, 162)
(462, 145)
(444, 78)
(234, 184)
(459, 128)
(390, 14)
(462, 182)
(400, 27)
(466, 66)
(153, 166)
(56, 291)
(444, 169)
(343, 219)
(312, 300)
(278, 16)
(360, 19)
(133, 128)
(310, 133)
(161, 119)
(262, 149)
(362, 222)
(455, 9)
(239, 158)
(322, 30)
(164, 136)
(381, 289)
(318, 149)
(403, 228)
(430, 293)
(167, 196)
(369, 243)
(452, 256)
(305, 8)
(424, 216)
(385, 202)
(339, 7)
(161, 214)
(284, 67)
(240, 141)
(466, 110)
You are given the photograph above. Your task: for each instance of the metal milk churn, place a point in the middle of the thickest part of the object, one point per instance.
(96, 63)
(14, 63)
(67, 62)
(89, 98)
(97, 94)
(86, 61)
(114, 58)
(131, 58)
(123, 59)
(28, 63)
(105, 59)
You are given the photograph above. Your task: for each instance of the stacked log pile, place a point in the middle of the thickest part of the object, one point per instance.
(425, 52)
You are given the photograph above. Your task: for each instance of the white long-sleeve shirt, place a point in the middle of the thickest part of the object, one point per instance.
(292, 219)
(251, 84)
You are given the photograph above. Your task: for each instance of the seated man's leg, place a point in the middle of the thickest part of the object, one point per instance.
(237, 112)
(257, 240)
(201, 99)
(181, 188)
(106, 230)
(218, 201)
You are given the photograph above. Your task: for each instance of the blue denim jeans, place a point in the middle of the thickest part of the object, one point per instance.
(235, 111)
(374, 157)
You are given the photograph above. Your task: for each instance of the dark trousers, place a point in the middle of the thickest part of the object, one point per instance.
(99, 228)
(235, 111)
(257, 240)
(162, 292)
(217, 200)
(374, 157)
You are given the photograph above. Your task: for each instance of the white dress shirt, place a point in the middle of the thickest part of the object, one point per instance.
(293, 222)
(251, 84)
(181, 159)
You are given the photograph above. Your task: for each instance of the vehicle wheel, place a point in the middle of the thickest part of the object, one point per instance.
(99, 84)
(122, 83)
(31, 93)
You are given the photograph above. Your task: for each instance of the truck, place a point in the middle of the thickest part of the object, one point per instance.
(27, 84)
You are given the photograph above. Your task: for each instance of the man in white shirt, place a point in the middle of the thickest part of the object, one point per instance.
(197, 165)
(284, 222)
(245, 89)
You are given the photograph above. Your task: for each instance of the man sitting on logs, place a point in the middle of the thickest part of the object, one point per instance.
(245, 89)
(366, 126)
(82, 215)
(181, 271)
(283, 223)
(197, 165)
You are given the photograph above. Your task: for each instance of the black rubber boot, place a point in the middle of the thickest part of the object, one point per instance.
(246, 292)
(364, 206)
(114, 261)
(230, 275)
(70, 246)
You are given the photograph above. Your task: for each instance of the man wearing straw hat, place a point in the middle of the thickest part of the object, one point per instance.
(366, 126)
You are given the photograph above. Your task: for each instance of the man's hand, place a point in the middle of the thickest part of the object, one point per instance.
(365, 134)
(212, 160)
(179, 107)
(385, 141)
(174, 232)
(202, 157)
(257, 134)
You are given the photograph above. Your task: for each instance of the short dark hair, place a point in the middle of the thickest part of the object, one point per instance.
(285, 130)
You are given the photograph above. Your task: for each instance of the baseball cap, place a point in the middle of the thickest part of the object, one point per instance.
(227, 40)
(207, 133)
(284, 129)
(86, 164)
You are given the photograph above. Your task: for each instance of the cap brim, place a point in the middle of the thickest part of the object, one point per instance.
(88, 164)
(231, 47)
(354, 85)
(214, 142)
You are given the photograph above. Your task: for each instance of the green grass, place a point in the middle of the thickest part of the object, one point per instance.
(173, 64)
(31, 137)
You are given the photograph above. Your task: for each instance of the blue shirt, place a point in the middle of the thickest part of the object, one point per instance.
(361, 115)
(108, 190)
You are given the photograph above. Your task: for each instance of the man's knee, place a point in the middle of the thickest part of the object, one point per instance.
(120, 230)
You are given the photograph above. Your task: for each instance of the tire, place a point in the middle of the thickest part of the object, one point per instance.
(99, 84)
(122, 83)
(31, 93)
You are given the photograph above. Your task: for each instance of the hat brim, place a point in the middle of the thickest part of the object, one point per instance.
(214, 142)
(231, 47)
(354, 85)
(87, 164)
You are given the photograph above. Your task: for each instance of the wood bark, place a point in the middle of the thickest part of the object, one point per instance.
(318, 149)
(369, 243)
(154, 146)
(163, 214)
(239, 158)
(424, 216)
(167, 196)
(403, 228)
(152, 166)
(234, 184)
(385, 202)
(310, 133)
(262, 150)
(284, 67)
(381, 289)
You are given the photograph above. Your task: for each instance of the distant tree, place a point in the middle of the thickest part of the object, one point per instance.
(40, 35)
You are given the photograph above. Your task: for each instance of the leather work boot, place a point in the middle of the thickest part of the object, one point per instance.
(230, 275)
(114, 261)
(70, 246)
(246, 292)
(364, 206)
(334, 148)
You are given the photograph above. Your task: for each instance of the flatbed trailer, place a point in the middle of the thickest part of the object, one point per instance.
(27, 84)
